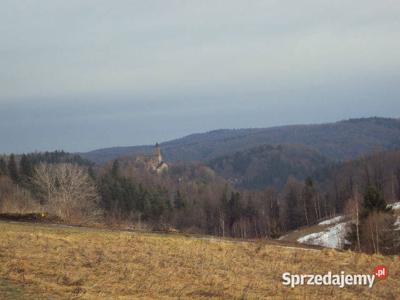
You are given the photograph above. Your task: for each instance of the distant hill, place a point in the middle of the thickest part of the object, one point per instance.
(338, 141)
(267, 165)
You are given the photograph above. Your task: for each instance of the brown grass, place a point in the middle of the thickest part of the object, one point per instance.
(60, 262)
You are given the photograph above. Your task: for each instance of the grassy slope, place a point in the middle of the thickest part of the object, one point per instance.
(9, 290)
(63, 262)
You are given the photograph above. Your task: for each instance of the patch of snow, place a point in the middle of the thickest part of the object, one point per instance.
(282, 237)
(397, 223)
(395, 205)
(332, 237)
(332, 221)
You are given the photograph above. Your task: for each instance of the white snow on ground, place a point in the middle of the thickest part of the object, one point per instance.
(282, 237)
(395, 205)
(332, 221)
(332, 237)
(397, 224)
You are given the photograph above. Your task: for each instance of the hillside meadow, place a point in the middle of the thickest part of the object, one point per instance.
(60, 262)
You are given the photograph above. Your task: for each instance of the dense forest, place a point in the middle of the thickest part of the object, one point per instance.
(192, 197)
(344, 140)
(266, 165)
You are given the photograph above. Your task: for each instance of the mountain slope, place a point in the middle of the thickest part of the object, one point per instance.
(267, 165)
(340, 141)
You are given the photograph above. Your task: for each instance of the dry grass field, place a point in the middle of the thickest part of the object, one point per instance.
(53, 262)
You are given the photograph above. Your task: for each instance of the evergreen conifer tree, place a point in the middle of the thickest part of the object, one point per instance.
(13, 169)
(3, 167)
(25, 167)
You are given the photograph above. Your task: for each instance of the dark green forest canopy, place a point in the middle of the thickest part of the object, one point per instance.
(344, 140)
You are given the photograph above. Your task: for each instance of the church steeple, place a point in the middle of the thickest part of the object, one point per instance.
(158, 153)
(153, 162)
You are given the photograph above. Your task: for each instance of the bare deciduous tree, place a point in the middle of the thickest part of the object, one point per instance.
(44, 180)
(352, 209)
(14, 199)
(68, 190)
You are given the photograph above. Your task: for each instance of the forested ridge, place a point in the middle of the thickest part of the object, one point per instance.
(339, 141)
(267, 165)
(192, 197)
(261, 192)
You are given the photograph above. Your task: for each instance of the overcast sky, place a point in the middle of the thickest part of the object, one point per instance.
(83, 74)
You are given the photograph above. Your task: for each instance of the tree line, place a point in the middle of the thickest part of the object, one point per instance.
(191, 197)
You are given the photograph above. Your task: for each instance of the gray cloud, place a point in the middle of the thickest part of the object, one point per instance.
(95, 69)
